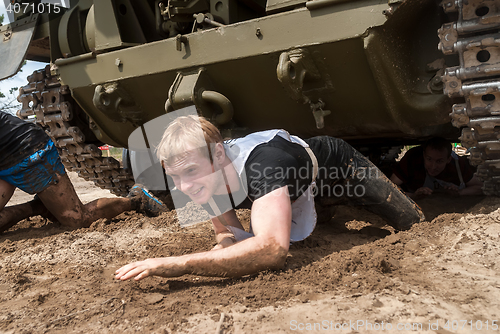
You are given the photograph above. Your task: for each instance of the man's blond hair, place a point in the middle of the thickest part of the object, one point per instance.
(185, 134)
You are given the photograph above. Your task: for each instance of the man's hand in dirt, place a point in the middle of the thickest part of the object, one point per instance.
(165, 267)
(452, 190)
(226, 242)
(224, 239)
(266, 250)
(421, 193)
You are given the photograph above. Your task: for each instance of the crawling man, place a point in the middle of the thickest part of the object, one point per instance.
(277, 176)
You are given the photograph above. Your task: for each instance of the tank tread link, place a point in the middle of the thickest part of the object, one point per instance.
(56, 112)
(475, 38)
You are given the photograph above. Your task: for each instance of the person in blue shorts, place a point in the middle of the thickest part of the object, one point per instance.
(30, 161)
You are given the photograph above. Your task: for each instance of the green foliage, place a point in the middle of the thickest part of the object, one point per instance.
(115, 152)
(1, 19)
(9, 103)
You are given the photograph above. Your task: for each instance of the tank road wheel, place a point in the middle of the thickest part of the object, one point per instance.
(67, 125)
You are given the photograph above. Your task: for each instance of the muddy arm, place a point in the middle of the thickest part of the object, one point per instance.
(421, 192)
(473, 187)
(271, 223)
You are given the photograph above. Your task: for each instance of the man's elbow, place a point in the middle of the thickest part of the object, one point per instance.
(276, 254)
(280, 258)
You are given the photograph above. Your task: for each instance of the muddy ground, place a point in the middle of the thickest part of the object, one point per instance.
(442, 276)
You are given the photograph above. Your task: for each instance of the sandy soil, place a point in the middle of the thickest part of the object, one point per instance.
(440, 277)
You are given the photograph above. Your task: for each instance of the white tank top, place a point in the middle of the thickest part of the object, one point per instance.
(303, 211)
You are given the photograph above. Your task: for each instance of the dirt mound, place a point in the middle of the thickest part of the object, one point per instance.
(350, 270)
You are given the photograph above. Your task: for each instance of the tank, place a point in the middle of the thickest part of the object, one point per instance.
(377, 74)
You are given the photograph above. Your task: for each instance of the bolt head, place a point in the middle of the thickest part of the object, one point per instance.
(200, 18)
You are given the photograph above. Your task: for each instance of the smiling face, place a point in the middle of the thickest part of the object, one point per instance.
(194, 175)
(435, 160)
(187, 149)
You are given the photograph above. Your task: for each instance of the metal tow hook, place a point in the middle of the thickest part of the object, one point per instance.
(319, 113)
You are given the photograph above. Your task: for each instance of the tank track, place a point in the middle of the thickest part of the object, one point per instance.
(475, 38)
(68, 126)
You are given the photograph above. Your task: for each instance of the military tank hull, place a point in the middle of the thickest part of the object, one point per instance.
(376, 74)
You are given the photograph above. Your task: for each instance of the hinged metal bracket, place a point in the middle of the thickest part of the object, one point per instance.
(292, 69)
(115, 102)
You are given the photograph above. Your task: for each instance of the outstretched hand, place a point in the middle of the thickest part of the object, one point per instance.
(423, 192)
(224, 240)
(165, 267)
(452, 190)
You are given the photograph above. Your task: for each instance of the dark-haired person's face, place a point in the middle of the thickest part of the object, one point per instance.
(194, 175)
(435, 161)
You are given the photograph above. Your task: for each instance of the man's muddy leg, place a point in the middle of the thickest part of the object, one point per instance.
(376, 193)
(8, 216)
(11, 215)
(63, 202)
(6, 192)
(106, 208)
(349, 175)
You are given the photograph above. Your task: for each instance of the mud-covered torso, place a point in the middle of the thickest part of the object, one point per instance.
(18, 140)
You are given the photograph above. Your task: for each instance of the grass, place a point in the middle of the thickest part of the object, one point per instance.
(114, 152)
